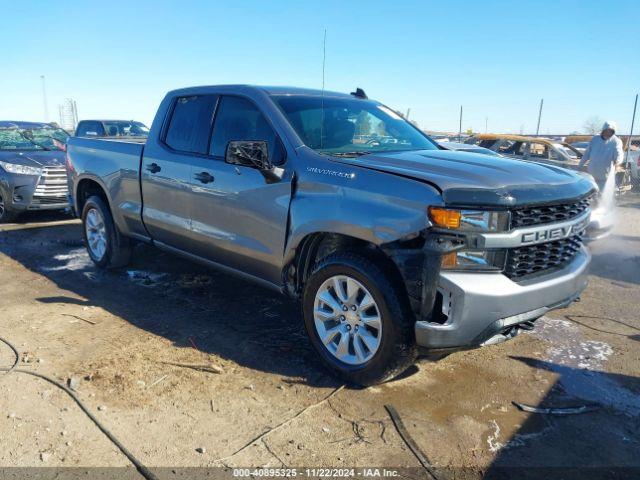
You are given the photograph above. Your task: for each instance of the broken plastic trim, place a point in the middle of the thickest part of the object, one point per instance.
(557, 410)
(419, 264)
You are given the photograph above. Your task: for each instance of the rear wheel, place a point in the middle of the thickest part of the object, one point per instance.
(6, 215)
(105, 245)
(357, 321)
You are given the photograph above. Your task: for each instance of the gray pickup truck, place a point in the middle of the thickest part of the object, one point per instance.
(391, 244)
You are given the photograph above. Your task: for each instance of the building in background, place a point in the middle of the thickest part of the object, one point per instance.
(68, 115)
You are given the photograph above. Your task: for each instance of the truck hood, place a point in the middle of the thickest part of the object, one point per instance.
(473, 179)
(44, 158)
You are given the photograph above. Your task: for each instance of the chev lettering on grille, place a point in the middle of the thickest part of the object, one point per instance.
(554, 233)
(550, 234)
(534, 234)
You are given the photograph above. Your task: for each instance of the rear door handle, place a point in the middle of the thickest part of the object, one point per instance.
(204, 177)
(154, 168)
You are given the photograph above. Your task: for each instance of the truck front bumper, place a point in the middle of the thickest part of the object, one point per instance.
(486, 308)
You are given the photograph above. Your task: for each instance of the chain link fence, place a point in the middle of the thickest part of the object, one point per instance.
(630, 178)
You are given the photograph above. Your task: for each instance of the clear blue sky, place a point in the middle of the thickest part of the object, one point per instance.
(497, 58)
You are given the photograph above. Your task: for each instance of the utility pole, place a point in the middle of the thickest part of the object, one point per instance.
(486, 123)
(408, 112)
(44, 99)
(633, 120)
(460, 127)
(539, 116)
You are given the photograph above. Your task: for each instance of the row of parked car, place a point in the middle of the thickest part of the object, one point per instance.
(33, 174)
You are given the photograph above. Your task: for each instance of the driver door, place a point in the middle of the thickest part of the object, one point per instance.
(238, 216)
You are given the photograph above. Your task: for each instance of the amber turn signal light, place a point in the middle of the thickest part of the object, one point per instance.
(444, 217)
(450, 260)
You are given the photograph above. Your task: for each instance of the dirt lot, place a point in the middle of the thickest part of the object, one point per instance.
(120, 334)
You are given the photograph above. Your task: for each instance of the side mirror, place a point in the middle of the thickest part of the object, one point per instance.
(249, 153)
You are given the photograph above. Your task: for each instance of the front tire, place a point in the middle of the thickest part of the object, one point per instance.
(6, 215)
(105, 245)
(357, 320)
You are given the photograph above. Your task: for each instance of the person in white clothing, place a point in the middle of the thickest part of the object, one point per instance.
(603, 153)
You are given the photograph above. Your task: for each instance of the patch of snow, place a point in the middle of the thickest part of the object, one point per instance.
(568, 348)
(492, 440)
(521, 439)
(144, 278)
(77, 259)
(579, 363)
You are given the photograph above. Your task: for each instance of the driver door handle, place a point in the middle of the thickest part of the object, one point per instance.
(153, 168)
(204, 177)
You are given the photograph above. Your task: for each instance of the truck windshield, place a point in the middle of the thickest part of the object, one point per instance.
(345, 126)
(42, 138)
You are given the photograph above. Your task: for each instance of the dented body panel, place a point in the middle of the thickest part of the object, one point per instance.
(354, 201)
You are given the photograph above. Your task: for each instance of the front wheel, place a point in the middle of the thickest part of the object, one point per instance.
(357, 320)
(6, 215)
(105, 245)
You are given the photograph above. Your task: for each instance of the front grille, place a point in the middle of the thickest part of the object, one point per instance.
(49, 200)
(52, 187)
(525, 217)
(531, 259)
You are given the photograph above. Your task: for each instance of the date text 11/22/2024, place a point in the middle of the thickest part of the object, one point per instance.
(315, 472)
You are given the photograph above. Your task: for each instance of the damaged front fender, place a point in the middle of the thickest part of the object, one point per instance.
(419, 262)
(362, 204)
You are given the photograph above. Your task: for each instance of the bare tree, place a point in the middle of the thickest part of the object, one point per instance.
(593, 125)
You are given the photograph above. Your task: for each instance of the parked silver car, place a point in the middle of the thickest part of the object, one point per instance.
(466, 147)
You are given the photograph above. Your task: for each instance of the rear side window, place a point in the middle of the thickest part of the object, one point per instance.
(508, 147)
(490, 144)
(190, 123)
(538, 150)
(90, 129)
(239, 119)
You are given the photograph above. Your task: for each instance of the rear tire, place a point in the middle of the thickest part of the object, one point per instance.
(6, 215)
(105, 245)
(387, 345)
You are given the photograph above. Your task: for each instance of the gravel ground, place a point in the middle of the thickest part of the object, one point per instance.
(124, 338)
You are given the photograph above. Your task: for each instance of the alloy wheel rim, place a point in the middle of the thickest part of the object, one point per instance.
(96, 233)
(347, 320)
(1, 206)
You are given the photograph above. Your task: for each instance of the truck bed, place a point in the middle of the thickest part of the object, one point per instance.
(115, 165)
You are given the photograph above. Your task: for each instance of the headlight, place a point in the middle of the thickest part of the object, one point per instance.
(469, 220)
(20, 169)
(492, 260)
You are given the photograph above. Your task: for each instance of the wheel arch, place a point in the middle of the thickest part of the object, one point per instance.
(318, 245)
(87, 187)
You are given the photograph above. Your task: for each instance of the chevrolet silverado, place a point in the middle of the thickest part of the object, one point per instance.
(390, 243)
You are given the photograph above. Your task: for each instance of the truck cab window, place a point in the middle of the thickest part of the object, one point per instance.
(90, 129)
(239, 119)
(190, 123)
